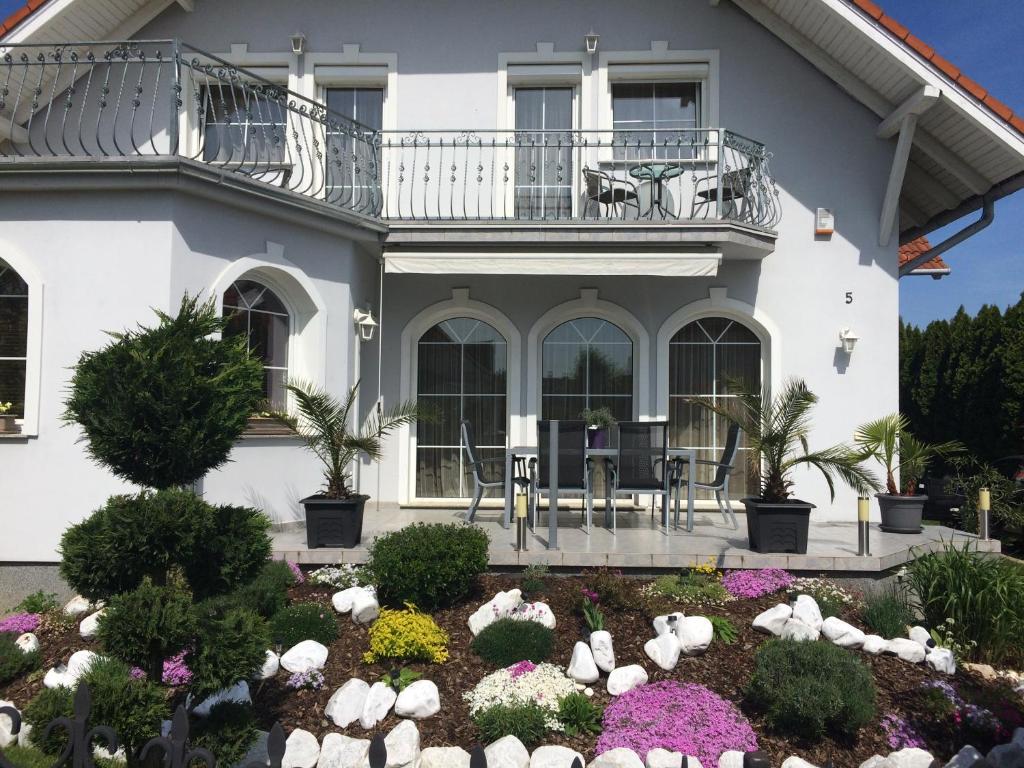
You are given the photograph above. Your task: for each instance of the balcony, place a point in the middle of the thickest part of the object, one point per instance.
(84, 104)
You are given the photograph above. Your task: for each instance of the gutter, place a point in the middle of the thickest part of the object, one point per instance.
(988, 215)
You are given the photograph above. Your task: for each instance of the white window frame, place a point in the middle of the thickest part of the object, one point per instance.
(353, 68)
(29, 422)
(266, 279)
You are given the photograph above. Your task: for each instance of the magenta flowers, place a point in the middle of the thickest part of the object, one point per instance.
(756, 583)
(680, 717)
(300, 577)
(20, 623)
(176, 672)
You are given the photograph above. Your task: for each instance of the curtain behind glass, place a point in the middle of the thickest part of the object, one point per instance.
(587, 363)
(13, 338)
(543, 164)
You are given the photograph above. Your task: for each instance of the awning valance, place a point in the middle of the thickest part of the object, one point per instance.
(661, 263)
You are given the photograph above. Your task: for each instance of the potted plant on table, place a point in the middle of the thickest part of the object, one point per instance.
(776, 429)
(599, 423)
(334, 517)
(887, 441)
(7, 418)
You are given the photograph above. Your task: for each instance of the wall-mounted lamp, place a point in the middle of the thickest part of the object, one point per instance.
(848, 339)
(590, 41)
(366, 324)
(298, 43)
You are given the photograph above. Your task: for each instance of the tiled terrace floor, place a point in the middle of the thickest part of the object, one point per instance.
(641, 544)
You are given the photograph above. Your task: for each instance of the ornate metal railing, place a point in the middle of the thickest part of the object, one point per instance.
(165, 98)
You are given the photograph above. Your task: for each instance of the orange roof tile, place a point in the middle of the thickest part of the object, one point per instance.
(915, 248)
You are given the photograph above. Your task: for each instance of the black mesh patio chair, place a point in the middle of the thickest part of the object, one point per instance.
(720, 483)
(641, 465)
(487, 473)
(575, 470)
(615, 195)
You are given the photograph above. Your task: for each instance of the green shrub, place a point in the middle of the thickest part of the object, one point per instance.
(13, 662)
(579, 715)
(613, 590)
(806, 690)
(233, 555)
(304, 621)
(163, 406)
(428, 565)
(48, 705)
(888, 611)
(691, 587)
(268, 592)
(39, 602)
(507, 641)
(147, 625)
(724, 630)
(527, 722)
(228, 732)
(229, 647)
(534, 579)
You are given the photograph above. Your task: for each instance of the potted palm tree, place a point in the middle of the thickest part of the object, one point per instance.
(888, 441)
(776, 430)
(334, 517)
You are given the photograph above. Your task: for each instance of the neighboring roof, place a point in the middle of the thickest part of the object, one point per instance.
(19, 15)
(934, 266)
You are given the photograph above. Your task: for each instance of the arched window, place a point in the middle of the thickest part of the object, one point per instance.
(587, 363)
(703, 357)
(255, 310)
(461, 373)
(13, 338)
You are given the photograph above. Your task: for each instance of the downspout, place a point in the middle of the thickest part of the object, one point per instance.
(380, 357)
(988, 214)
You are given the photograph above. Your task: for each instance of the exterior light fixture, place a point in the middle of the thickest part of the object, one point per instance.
(863, 527)
(590, 41)
(298, 43)
(824, 221)
(984, 514)
(848, 339)
(366, 324)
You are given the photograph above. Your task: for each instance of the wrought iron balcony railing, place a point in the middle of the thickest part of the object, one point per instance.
(165, 98)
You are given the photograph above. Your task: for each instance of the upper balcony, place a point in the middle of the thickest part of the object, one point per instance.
(83, 104)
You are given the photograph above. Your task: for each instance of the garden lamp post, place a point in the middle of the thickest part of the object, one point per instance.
(863, 527)
(984, 514)
(521, 521)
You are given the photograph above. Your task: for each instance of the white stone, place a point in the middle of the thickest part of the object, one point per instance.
(582, 667)
(662, 758)
(55, 677)
(301, 750)
(239, 692)
(339, 751)
(771, 621)
(539, 612)
(365, 608)
(965, 758)
(941, 660)
(875, 761)
(68, 676)
(444, 757)
(507, 752)
(794, 629)
(666, 623)
(100, 751)
(921, 636)
(500, 606)
(403, 745)
(617, 758)
(875, 644)
(1009, 755)
(305, 656)
(6, 726)
(28, 643)
(908, 650)
(346, 704)
(378, 703)
(90, 625)
(77, 606)
(271, 666)
(694, 633)
(604, 652)
(911, 757)
(796, 762)
(842, 634)
(419, 700)
(588, 692)
(805, 609)
(554, 756)
(731, 758)
(25, 736)
(664, 651)
(342, 601)
(626, 678)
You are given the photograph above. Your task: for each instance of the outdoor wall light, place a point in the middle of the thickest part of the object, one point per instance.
(590, 41)
(848, 339)
(366, 324)
(298, 43)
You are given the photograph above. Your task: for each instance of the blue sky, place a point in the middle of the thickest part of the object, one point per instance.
(982, 37)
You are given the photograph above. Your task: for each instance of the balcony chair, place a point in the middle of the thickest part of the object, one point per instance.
(614, 194)
(720, 482)
(734, 187)
(575, 470)
(477, 467)
(641, 465)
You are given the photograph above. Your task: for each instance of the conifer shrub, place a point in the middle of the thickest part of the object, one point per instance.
(527, 722)
(229, 731)
(229, 647)
(507, 641)
(13, 661)
(304, 621)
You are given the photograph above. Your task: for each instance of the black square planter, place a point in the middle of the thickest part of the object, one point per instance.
(778, 527)
(334, 522)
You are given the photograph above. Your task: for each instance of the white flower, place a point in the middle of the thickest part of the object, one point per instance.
(545, 685)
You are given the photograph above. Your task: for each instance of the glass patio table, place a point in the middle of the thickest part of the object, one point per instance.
(657, 173)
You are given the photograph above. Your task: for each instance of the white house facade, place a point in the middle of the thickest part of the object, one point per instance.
(545, 207)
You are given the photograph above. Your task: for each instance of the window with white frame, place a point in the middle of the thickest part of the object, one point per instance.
(255, 311)
(242, 124)
(351, 152)
(13, 338)
(543, 160)
(587, 363)
(656, 120)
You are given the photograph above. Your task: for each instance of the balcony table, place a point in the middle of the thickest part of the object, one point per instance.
(657, 173)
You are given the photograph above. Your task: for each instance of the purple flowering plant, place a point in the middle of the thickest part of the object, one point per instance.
(20, 623)
(300, 577)
(176, 671)
(311, 680)
(520, 668)
(900, 734)
(756, 583)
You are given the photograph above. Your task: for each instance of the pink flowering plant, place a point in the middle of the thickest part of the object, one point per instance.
(20, 623)
(900, 734)
(679, 717)
(300, 577)
(756, 583)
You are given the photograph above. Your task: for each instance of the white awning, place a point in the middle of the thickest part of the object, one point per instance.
(662, 263)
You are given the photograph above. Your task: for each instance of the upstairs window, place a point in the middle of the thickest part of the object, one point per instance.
(13, 338)
(351, 158)
(242, 125)
(255, 311)
(656, 120)
(543, 140)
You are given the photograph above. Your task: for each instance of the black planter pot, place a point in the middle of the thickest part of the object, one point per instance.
(778, 526)
(901, 514)
(334, 522)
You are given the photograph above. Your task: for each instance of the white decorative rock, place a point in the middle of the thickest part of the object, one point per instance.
(805, 609)
(346, 704)
(239, 693)
(444, 757)
(552, 756)
(617, 758)
(500, 606)
(601, 647)
(626, 678)
(25, 736)
(771, 621)
(664, 651)
(403, 745)
(507, 752)
(908, 650)
(731, 758)
(694, 633)
(662, 758)
(582, 667)
(875, 761)
(539, 612)
(377, 704)
(90, 625)
(270, 667)
(842, 634)
(796, 762)
(911, 757)
(301, 750)
(339, 751)
(28, 643)
(666, 623)
(76, 606)
(875, 645)
(6, 726)
(419, 700)
(305, 656)
(965, 758)
(67, 676)
(342, 601)
(365, 608)
(922, 636)
(941, 660)
(55, 677)
(794, 629)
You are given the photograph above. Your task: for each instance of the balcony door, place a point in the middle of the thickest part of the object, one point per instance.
(351, 163)
(543, 153)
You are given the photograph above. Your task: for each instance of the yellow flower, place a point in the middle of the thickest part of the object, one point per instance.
(408, 635)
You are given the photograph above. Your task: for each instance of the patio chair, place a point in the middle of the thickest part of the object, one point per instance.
(614, 194)
(575, 470)
(720, 482)
(477, 467)
(734, 188)
(641, 465)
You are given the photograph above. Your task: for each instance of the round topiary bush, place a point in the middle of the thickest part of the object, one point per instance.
(810, 689)
(229, 647)
(304, 621)
(679, 717)
(507, 641)
(429, 565)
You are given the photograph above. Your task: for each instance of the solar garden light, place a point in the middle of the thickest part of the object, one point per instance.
(521, 521)
(984, 514)
(863, 528)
